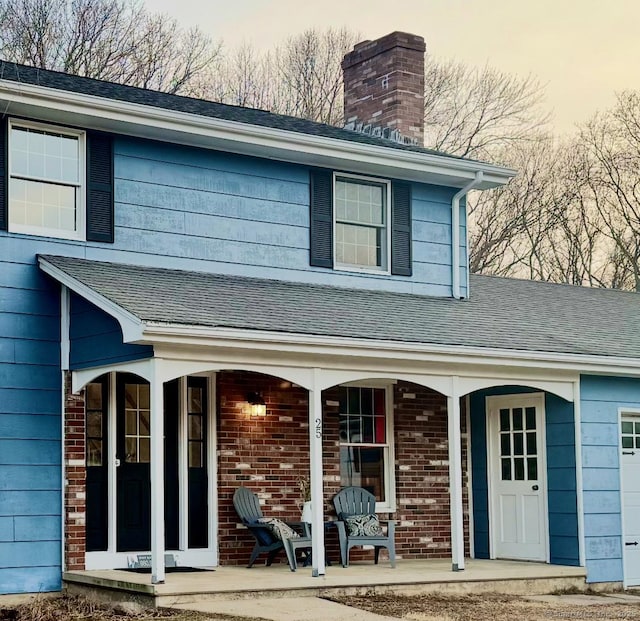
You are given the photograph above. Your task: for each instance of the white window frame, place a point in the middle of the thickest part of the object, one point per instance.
(80, 232)
(389, 505)
(385, 268)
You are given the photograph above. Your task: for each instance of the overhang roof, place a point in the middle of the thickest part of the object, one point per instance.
(97, 104)
(502, 314)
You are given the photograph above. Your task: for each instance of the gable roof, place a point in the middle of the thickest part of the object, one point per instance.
(503, 313)
(70, 99)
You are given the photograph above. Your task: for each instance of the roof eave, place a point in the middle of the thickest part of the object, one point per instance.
(151, 122)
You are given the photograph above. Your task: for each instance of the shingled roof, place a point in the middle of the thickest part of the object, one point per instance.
(502, 313)
(25, 74)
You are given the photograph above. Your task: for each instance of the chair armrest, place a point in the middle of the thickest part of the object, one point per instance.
(302, 528)
(391, 527)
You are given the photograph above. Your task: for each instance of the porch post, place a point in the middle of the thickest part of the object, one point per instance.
(455, 478)
(317, 495)
(157, 475)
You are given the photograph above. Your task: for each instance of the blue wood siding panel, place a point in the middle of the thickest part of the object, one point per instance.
(187, 208)
(30, 420)
(96, 338)
(601, 400)
(561, 475)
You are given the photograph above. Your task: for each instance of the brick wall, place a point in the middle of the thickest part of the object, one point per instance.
(270, 454)
(384, 84)
(75, 478)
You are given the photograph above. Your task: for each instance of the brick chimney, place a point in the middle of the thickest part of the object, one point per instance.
(384, 87)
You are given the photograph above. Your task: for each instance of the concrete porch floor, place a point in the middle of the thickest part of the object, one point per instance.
(409, 577)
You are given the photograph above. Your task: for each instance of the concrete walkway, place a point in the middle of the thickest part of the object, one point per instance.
(286, 609)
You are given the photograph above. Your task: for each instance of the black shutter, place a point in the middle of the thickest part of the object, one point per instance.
(401, 228)
(321, 218)
(99, 187)
(4, 175)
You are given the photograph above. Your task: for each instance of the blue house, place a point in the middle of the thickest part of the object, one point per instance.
(196, 296)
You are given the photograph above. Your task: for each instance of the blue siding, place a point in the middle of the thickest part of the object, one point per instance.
(561, 476)
(96, 338)
(176, 207)
(601, 399)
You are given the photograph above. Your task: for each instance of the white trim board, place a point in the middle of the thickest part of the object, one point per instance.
(144, 121)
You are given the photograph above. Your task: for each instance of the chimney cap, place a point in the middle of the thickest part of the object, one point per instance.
(368, 49)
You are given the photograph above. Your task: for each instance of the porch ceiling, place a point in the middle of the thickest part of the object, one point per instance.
(503, 314)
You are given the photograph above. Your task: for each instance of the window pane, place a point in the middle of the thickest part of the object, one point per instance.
(637, 441)
(131, 422)
(94, 424)
(505, 424)
(143, 391)
(131, 395)
(366, 400)
(131, 447)
(195, 400)
(518, 463)
(94, 396)
(367, 429)
(145, 451)
(363, 467)
(517, 418)
(506, 469)
(627, 427)
(532, 447)
(380, 430)
(531, 418)
(505, 444)
(94, 453)
(532, 469)
(518, 444)
(145, 423)
(627, 441)
(637, 426)
(195, 427)
(195, 454)
(354, 401)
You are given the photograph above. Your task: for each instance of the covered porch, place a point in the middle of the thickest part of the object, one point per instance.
(430, 388)
(409, 577)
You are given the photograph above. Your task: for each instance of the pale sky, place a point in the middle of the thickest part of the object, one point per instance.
(582, 50)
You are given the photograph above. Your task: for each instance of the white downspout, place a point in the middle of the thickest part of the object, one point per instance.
(455, 233)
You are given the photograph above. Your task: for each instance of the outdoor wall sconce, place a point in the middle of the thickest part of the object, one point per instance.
(257, 404)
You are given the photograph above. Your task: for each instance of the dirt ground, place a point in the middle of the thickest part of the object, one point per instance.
(72, 608)
(487, 607)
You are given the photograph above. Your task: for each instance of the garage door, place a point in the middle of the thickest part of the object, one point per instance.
(631, 498)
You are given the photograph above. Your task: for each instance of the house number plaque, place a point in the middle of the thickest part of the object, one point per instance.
(318, 427)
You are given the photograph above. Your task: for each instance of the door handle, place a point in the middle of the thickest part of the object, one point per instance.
(117, 463)
(535, 488)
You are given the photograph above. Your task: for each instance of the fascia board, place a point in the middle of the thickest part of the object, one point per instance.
(198, 336)
(132, 326)
(267, 142)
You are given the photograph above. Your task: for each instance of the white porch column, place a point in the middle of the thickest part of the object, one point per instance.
(455, 477)
(157, 475)
(317, 495)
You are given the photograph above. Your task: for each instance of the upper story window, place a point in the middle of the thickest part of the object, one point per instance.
(46, 180)
(361, 223)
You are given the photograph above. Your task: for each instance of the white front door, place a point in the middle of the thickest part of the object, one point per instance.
(630, 428)
(517, 477)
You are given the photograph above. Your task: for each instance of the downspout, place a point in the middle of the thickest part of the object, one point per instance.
(455, 234)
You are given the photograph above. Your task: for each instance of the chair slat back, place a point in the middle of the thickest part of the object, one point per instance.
(354, 501)
(247, 505)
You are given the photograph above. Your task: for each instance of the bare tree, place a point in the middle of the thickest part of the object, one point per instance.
(300, 78)
(116, 40)
(477, 112)
(611, 146)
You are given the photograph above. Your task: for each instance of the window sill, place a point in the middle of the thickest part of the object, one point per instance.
(45, 233)
(354, 269)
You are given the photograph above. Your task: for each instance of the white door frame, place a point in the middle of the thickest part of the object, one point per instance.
(623, 412)
(203, 557)
(491, 402)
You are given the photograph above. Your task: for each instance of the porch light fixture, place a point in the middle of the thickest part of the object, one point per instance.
(257, 404)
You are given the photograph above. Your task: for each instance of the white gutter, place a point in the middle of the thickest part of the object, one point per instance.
(455, 233)
(102, 113)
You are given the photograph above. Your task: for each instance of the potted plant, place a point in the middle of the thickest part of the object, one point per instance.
(305, 491)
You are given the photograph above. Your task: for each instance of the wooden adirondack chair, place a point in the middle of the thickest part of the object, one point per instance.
(249, 511)
(356, 501)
